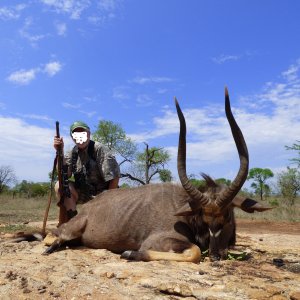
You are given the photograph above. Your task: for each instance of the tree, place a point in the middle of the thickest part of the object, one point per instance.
(7, 177)
(147, 164)
(32, 189)
(143, 166)
(165, 175)
(114, 137)
(260, 176)
(289, 184)
(223, 181)
(295, 147)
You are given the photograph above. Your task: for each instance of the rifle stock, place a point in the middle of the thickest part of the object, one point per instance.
(59, 155)
(58, 161)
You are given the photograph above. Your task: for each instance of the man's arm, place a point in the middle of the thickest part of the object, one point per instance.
(113, 184)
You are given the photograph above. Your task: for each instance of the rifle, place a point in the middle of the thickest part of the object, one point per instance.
(64, 191)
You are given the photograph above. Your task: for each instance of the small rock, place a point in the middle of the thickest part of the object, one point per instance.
(55, 294)
(110, 275)
(259, 294)
(26, 291)
(295, 268)
(175, 289)
(278, 262)
(278, 297)
(123, 275)
(23, 282)
(72, 275)
(10, 275)
(295, 295)
(42, 291)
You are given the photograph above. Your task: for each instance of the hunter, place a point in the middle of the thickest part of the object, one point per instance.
(92, 166)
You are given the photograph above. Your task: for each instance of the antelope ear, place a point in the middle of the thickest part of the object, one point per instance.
(249, 205)
(185, 210)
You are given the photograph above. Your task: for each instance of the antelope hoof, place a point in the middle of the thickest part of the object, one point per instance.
(128, 255)
(54, 247)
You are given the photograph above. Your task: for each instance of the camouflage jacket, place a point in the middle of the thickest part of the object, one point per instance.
(95, 170)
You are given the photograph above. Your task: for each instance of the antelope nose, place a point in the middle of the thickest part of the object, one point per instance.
(215, 257)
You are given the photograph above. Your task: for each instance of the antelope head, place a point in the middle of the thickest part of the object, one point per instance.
(214, 205)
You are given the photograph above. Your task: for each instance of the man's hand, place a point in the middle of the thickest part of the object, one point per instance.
(113, 184)
(58, 143)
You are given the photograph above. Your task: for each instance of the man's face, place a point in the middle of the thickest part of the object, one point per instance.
(81, 137)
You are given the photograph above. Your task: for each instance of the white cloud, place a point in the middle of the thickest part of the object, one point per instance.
(89, 114)
(146, 80)
(25, 32)
(28, 149)
(144, 100)
(107, 5)
(22, 77)
(11, 13)
(36, 117)
(61, 28)
(72, 106)
(73, 8)
(121, 92)
(291, 73)
(52, 68)
(267, 127)
(224, 58)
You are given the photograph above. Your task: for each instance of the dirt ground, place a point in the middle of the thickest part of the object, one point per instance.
(272, 271)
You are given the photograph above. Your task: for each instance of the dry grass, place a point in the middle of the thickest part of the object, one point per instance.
(17, 212)
(289, 214)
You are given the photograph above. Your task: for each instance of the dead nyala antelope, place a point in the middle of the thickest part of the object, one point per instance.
(165, 221)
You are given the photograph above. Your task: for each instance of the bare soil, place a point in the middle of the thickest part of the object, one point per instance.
(271, 271)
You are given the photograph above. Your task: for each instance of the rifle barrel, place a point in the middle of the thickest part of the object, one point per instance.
(57, 129)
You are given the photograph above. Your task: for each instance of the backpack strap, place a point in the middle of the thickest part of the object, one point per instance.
(91, 150)
(74, 158)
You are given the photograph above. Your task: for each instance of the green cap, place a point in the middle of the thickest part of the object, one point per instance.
(79, 124)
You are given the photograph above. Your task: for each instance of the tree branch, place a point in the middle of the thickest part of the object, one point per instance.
(127, 175)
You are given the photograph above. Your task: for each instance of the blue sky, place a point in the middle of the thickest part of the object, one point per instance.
(125, 60)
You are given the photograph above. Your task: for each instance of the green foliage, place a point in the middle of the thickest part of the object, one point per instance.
(11, 228)
(153, 156)
(165, 175)
(151, 161)
(114, 137)
(235, 255)
(124, 186)
(295, 147)
(223, 181)
(274, 202)
(198, 183)
(31, 189)
(289, 184)
(260, 176)
(143, 166)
